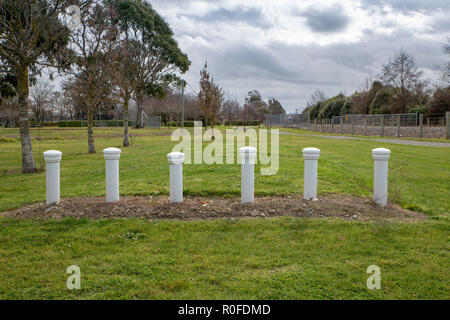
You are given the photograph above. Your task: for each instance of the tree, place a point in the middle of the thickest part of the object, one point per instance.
(210, 97)
(256, 107)
(275, 107)
(231, 109)
(441, 101)
(403, 76)
(159, 60)
(93, 43)
(32, 36)
(41, 95)
(445, 70)
(124, 69)
(316, 97)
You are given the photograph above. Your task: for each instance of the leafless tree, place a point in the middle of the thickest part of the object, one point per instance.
(316, 97)
(210, 97)
(41, 95)
(93, 43)
(403, 76)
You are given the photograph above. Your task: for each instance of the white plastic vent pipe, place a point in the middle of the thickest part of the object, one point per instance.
(311, 156)
(52, 162)
(380, 175)
(112, 156)
(176, 160)
(248, 157)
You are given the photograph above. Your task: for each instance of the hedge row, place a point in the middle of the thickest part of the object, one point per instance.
(97, 123)
(178, 124)
(242, 123)
(227, 123)
(44, 124)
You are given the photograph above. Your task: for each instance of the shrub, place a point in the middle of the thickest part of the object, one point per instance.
(241, 123)
(382, 102)
(333, 107)
(97, 123)
(418, 109)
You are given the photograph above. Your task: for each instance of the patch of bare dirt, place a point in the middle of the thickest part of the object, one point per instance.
(196, 208)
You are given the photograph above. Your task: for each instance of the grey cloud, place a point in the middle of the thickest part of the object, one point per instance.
(251, 16)
(330, 19)
(292, 72)
(410, 5)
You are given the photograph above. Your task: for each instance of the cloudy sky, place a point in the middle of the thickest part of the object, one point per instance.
(289, 48)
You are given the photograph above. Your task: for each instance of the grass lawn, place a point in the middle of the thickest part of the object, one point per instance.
(251, 258)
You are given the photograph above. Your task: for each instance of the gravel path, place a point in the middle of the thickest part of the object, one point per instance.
(396, 141)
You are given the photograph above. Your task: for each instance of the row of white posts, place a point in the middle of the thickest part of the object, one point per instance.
(248, 157)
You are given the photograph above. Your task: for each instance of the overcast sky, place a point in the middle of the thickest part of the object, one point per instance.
(289, 48)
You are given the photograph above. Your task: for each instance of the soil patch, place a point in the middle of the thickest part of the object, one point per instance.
(197, 208)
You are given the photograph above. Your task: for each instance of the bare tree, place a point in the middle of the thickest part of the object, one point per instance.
(231, 109)
(125, 67)
(93, 43)
(210, 97)
(316, 97)
(41, 95)
(403, 76)
(445, 70)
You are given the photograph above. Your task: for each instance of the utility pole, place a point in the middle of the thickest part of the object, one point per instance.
(182, 103)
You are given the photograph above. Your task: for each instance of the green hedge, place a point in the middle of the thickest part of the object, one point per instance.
(97, 123)
(44, 124)
(242, 123)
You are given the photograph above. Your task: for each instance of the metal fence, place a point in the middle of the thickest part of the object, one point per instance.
(396, 125)
(293, 119)
(152, 121)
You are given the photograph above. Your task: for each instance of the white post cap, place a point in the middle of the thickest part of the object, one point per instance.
(381, 154)
(311, 153)
(248, 154)
(175, 157)
(52, 156)
(111, 153)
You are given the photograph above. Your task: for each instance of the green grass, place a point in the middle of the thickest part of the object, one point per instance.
(241, 259)
(246, 259)
(302, 131)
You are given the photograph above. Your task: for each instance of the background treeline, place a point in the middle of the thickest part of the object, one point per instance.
(111, 57)
(398, 88)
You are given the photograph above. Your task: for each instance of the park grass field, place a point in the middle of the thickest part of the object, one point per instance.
(277, 258)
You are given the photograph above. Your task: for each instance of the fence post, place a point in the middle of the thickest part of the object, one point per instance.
(248, 156)
(353, 125)
(315, 124)
(176, 160)
(112, 156)
(365, 125)
(398, 125)
(380, 175)
(332, 125)
(52, 161)
(447, 122)
(382, 125)
(421, 125)
(342, 124)
(311, 156)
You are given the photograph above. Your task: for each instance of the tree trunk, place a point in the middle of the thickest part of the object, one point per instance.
(91, 145)
(28, 164)
(126, 143)
(212, 123)
(140, 110)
